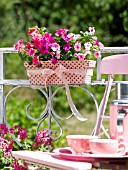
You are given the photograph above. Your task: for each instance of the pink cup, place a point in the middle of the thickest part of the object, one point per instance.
(106, 146)
(79, 143)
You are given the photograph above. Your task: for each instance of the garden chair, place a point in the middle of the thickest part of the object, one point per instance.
(111, 65)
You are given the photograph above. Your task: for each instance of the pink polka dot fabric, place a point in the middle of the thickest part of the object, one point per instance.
(72, 78)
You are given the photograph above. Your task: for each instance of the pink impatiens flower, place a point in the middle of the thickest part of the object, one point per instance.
(77, 46)
(97, 54)
(55, 46)
(31, 51)
(61, 31)
(52, 53)
(70, 36)
(96, 42)
(66, 47)
(29, 45)
(3, 129)
(47, 35)
(43, 137)
(35, 60)
(43, 48)
(66, 37)
(19, 46)
(19, 132)
(58, 54)
(33, 31)
(101, 45)
(81, 56)
(54, 61)
(36, 39)
(75, 54)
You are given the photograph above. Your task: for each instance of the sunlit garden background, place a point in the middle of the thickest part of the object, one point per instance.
(110, 19)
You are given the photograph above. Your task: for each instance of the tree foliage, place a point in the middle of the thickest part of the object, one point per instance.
(110, 18)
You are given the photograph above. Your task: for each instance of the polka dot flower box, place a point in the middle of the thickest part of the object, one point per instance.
(64, 58)
(75, 72)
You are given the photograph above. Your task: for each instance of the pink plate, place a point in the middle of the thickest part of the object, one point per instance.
(66, 153)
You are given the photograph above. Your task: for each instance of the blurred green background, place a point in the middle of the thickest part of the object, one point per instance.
(110, 19)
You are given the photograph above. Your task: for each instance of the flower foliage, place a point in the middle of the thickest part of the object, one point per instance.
(63, 45)
(42, 142)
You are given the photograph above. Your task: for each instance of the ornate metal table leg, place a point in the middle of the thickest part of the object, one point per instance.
(48, 112)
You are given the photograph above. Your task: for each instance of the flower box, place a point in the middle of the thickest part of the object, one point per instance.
(75, 72)
(62, 58)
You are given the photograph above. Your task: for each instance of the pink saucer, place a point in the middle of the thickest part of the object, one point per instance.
(68, 154)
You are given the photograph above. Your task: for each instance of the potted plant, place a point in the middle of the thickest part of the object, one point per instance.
(65, 58)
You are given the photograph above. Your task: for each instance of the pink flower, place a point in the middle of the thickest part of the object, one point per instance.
(35, 145)
(70, 36)
(3, 126)
(85, 51)
(55, 46)
(54, 61)
(58, 54)
(61, 31)
(52, 53)
(94, 37)
(48, 38)
(52, 40)
(66, 47)
(65, 37)
(43, 137)
(77, 46)
(33, 31)
(92, 30)
(97, 54)
(7, 154)
(35, 60)
(101, 45)
(29, 45)
(96, 42)
(43, 48)
(19, 46)
(36, 42)
(47, 35)
(81, 56)
(75, 54)
(19, 132)
(31, 51)
(3, 129)
(36, 39)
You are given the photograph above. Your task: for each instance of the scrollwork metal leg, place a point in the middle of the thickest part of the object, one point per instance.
(48, 112)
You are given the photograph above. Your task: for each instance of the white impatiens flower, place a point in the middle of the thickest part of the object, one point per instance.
(87, 45)
(92, 30)
(76, 36)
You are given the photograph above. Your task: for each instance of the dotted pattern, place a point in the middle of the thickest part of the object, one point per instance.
(72, 78)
